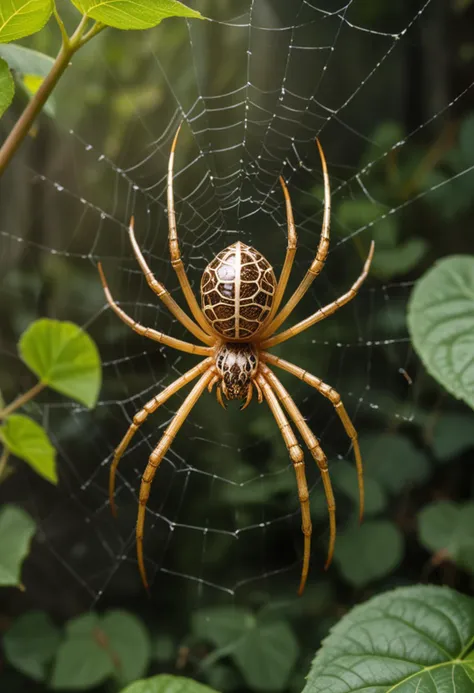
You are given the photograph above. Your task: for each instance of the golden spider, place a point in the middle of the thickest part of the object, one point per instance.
(236, 323)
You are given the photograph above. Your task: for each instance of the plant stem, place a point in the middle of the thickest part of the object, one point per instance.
(21, 400)
(24, 123)
(3, 461)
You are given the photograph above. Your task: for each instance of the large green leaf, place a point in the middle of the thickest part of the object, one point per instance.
(17, 529)
(31, 643)
(20, 18)
(29, 441)
(134, 14)
(368, 552)
(448, 528)
(167, 684)
(7, 87)
(409, 640)
(63, 357)
(441, 324)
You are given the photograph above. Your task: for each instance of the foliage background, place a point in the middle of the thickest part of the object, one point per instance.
(417, 447)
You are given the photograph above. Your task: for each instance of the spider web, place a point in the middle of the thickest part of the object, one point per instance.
(254, 86)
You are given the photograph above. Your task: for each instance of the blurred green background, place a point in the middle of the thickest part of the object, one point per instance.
(222, 539)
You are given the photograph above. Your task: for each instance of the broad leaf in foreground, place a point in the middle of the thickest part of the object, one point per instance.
(63, 357)
(409, 640)
(167, 684)
(7, 87)
(20, 18)
(441, 324)
(134, 14)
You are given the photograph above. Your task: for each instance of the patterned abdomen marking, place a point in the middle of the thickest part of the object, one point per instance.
(237, 290)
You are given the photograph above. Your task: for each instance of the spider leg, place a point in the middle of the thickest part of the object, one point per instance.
(141, 416)
(318, 262)
(335, 398)
(314, 448)
(290, 253)
(297, 458)
(162, 293)
(175, 252)
(148, 331)
(157, 456)
(325, 312)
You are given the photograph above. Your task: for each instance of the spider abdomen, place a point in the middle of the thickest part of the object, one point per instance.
(237, 290)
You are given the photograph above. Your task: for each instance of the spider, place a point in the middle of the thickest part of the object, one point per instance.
(236, 325)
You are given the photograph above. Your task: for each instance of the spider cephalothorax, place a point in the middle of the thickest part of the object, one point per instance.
(236, 326)
(237, 366)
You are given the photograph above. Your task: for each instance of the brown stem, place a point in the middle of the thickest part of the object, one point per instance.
(25, 121)
(21, 400)
(3, 461)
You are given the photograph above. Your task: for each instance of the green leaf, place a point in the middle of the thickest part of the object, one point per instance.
(441, 324)
(409, 640)
(448, 527)
(17, 529)
(63, 357)
(20, 18)
(96, 648)
(453, 434)
(29, 441)
(221, 625)
(83, 659)
(391, 262)
(266, 656)
(30, 644)
(358, 213)
(26, 61)
(164, 648)
(393, 461)
(369, 552)
(134, 14)
(128, 639)
(344, 478)
(7, 87)
(167, 684)
(265, 652)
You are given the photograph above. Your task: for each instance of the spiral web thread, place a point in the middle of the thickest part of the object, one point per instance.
(238, 136)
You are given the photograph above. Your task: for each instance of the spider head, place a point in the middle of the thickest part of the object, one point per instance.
(237, 365)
